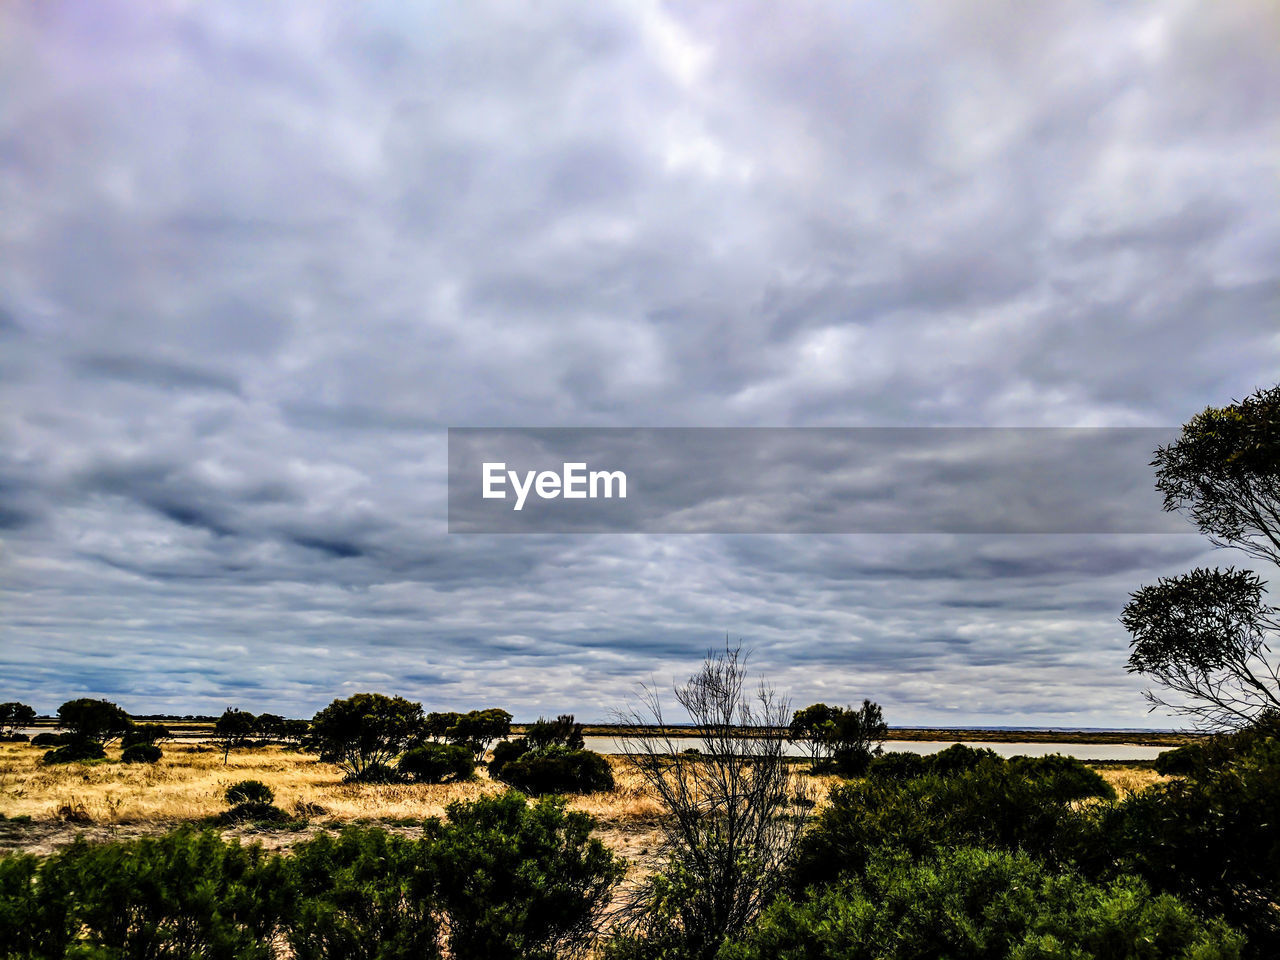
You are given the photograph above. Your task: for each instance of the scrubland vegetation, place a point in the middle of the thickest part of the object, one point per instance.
(852, 853)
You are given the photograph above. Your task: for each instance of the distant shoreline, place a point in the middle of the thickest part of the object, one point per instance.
(184, 729)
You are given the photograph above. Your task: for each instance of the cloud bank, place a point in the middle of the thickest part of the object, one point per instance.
(253, 263)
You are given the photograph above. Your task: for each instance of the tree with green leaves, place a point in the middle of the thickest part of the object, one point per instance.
(844, 736)
(93, 721)
(234, 729)
(364, 731)
(1206, 636)
(14, 715)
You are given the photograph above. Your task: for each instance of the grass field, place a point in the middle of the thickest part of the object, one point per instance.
(46, 806)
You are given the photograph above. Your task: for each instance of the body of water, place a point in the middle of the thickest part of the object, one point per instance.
(1082, 751)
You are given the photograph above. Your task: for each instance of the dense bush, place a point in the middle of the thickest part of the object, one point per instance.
(376, 773)
(141, 753)
(558, 770)
(249, 791)
(504, 751)
(898, 766)
(497, 879)
(563, 731)
(251, 801)
(523, 882)
(982, 905)
(145, 733)
(364, 895)
(182, 895)
(992, 805)
(75, 750)
(47, 739)
(960, 758)
(437, 762)
(1213, 839)
(1066, 778)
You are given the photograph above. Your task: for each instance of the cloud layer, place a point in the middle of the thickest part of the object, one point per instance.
(253, 263)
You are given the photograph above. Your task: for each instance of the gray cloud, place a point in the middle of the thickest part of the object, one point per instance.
(253, 263)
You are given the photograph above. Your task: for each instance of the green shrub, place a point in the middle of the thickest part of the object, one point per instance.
(898, 766)
(959, 758)
(141, 753)
(504, 751)
(75, 750)
(522, 882)
(991, 805)
(14, 738)
(437, 762)
(252, 803)
(364, 895)
(563, 731)
(558, 770)
(982, 905)
(47, 739)
(376, 773)
(182, 895)
(1213, 839)
(1066, 778)
(249, 791)
(145, 733)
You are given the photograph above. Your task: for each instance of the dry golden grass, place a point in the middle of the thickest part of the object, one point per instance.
(189, 781)
(1128, 780)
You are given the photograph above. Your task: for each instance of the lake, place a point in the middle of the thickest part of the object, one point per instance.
(1082, 751)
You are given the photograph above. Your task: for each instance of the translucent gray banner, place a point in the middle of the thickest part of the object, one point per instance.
(806, 480)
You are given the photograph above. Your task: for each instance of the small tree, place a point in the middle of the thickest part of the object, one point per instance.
(14, 715)
(856, 736)
(365, 730)
(812, 727)
(563, 731)
(234, 728)
(842, 735)
(145, 733)
(93, 721)
(735, 812)
(1206, 635)
(478, 729)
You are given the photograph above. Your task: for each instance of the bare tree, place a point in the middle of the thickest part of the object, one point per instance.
(734, 806)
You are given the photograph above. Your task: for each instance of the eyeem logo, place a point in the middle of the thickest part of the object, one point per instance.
(574, 482)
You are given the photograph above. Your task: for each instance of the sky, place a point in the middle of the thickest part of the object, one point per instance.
(255, 260)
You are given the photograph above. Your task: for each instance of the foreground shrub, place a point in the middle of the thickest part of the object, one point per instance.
(982, 905)
(437, 762)
(521, 882)
(364, 895)
(1213, 839)
(558, 770)
(141, 753)
(991, 805)
(184, 894)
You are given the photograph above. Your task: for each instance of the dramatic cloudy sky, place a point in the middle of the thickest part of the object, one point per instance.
(253, 264)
